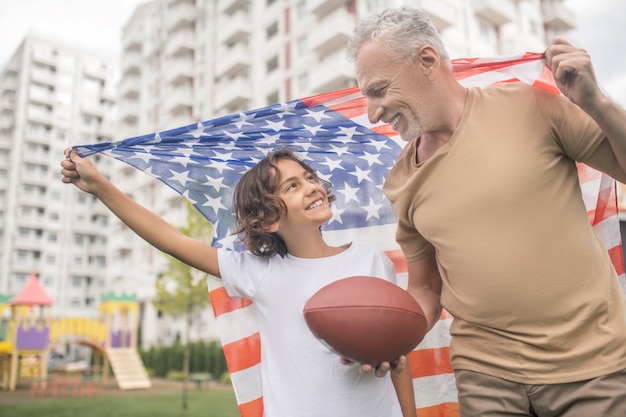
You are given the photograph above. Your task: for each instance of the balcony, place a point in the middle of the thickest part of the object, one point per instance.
(129, 111)
(323, 7)
(43, 76)
(180, 70)
(333, 73)
(557, 17)
(496, 12)
(179, 98)
(40, 114)
(233, 61)
(236, 29)
(332, 32)
(442, 13)
(45, 56)
(183, 41)
(233, 93)
(131, 62)
(41, 94)
(181, 15)
(130, 86)
(231, 6)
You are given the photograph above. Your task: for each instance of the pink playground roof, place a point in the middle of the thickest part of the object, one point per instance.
(32, 293)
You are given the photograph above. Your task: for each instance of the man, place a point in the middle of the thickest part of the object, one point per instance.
(492, 223)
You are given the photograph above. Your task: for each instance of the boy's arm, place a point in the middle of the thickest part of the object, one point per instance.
(152, 228)
(403, 382)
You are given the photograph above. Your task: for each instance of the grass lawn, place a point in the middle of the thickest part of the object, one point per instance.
(218, 403)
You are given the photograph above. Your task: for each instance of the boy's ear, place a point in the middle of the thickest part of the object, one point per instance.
(272, 228)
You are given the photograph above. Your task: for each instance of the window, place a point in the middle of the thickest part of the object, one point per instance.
(272, 64)
(272, 98)
(271, 30)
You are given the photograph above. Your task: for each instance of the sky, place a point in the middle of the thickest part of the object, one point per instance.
(97, 24)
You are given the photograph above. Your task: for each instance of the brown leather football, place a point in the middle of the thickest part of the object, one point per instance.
(366, 319)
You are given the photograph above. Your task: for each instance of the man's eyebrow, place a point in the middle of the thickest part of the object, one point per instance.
(373, 87)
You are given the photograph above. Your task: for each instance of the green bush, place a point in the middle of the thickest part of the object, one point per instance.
(225, 378)
(175, 376)
(204, 358)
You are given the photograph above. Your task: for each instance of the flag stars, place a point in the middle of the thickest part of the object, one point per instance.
(181, 177)
(336, 217)
(243, 120)
(371, 158)
(332, 164)
(361, 174)
(349, 194)
(340, 150)
(348, 132)
(145, 157)
(197, 132)
(312, 129)
(216, 183)
(372, 209)
(275, 126)
(317, 115)
(214, 203)
(219, 165)
(268, 139)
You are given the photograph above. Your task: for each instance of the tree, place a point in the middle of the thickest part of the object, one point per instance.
(181, 291)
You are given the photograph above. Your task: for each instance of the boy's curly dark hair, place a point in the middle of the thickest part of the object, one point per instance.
(256, 207)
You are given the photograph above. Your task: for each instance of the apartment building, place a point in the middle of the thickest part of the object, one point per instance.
(53, 95)
(183, 61)
(186, 61)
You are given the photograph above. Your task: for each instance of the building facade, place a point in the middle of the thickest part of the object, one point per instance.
(185, 61)
(52, 95)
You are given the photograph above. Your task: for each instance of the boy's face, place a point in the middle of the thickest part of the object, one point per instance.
(305, 198)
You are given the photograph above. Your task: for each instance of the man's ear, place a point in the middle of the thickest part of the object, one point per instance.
(428, 58)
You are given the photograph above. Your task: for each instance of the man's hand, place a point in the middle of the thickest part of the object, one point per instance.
(381, 369)
(573, 73)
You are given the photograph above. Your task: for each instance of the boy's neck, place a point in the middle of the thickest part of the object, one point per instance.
(314, 250)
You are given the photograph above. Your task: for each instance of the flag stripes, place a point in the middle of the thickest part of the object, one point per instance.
(331, 131)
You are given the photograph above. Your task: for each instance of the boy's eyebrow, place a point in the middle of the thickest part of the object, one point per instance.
(292, 178)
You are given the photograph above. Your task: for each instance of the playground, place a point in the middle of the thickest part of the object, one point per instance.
(29, 334)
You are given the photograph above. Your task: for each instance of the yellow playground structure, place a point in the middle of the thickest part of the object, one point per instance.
(29, 334)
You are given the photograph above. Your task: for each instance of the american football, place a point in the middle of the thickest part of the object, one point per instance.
(366, 319)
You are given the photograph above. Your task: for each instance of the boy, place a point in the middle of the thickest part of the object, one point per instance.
(279, 205)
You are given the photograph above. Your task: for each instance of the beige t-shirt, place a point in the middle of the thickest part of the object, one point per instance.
(530, 284)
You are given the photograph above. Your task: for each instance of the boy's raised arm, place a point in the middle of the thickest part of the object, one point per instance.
(152, 228)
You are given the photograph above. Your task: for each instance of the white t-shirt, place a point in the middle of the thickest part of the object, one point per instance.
(300, 376)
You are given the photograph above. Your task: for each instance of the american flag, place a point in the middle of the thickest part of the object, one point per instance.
(203, 162)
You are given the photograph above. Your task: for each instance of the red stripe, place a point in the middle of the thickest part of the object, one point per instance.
(252, 409)
(440, 410)
(222, 303)
(384, 129)
(398, 259)
(328, 97)
(586, 174)
(243, 353)
(464, 68)
(616, 257)
(429, 362)
(353, 108)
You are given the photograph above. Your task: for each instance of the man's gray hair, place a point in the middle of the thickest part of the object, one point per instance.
(402, 30)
